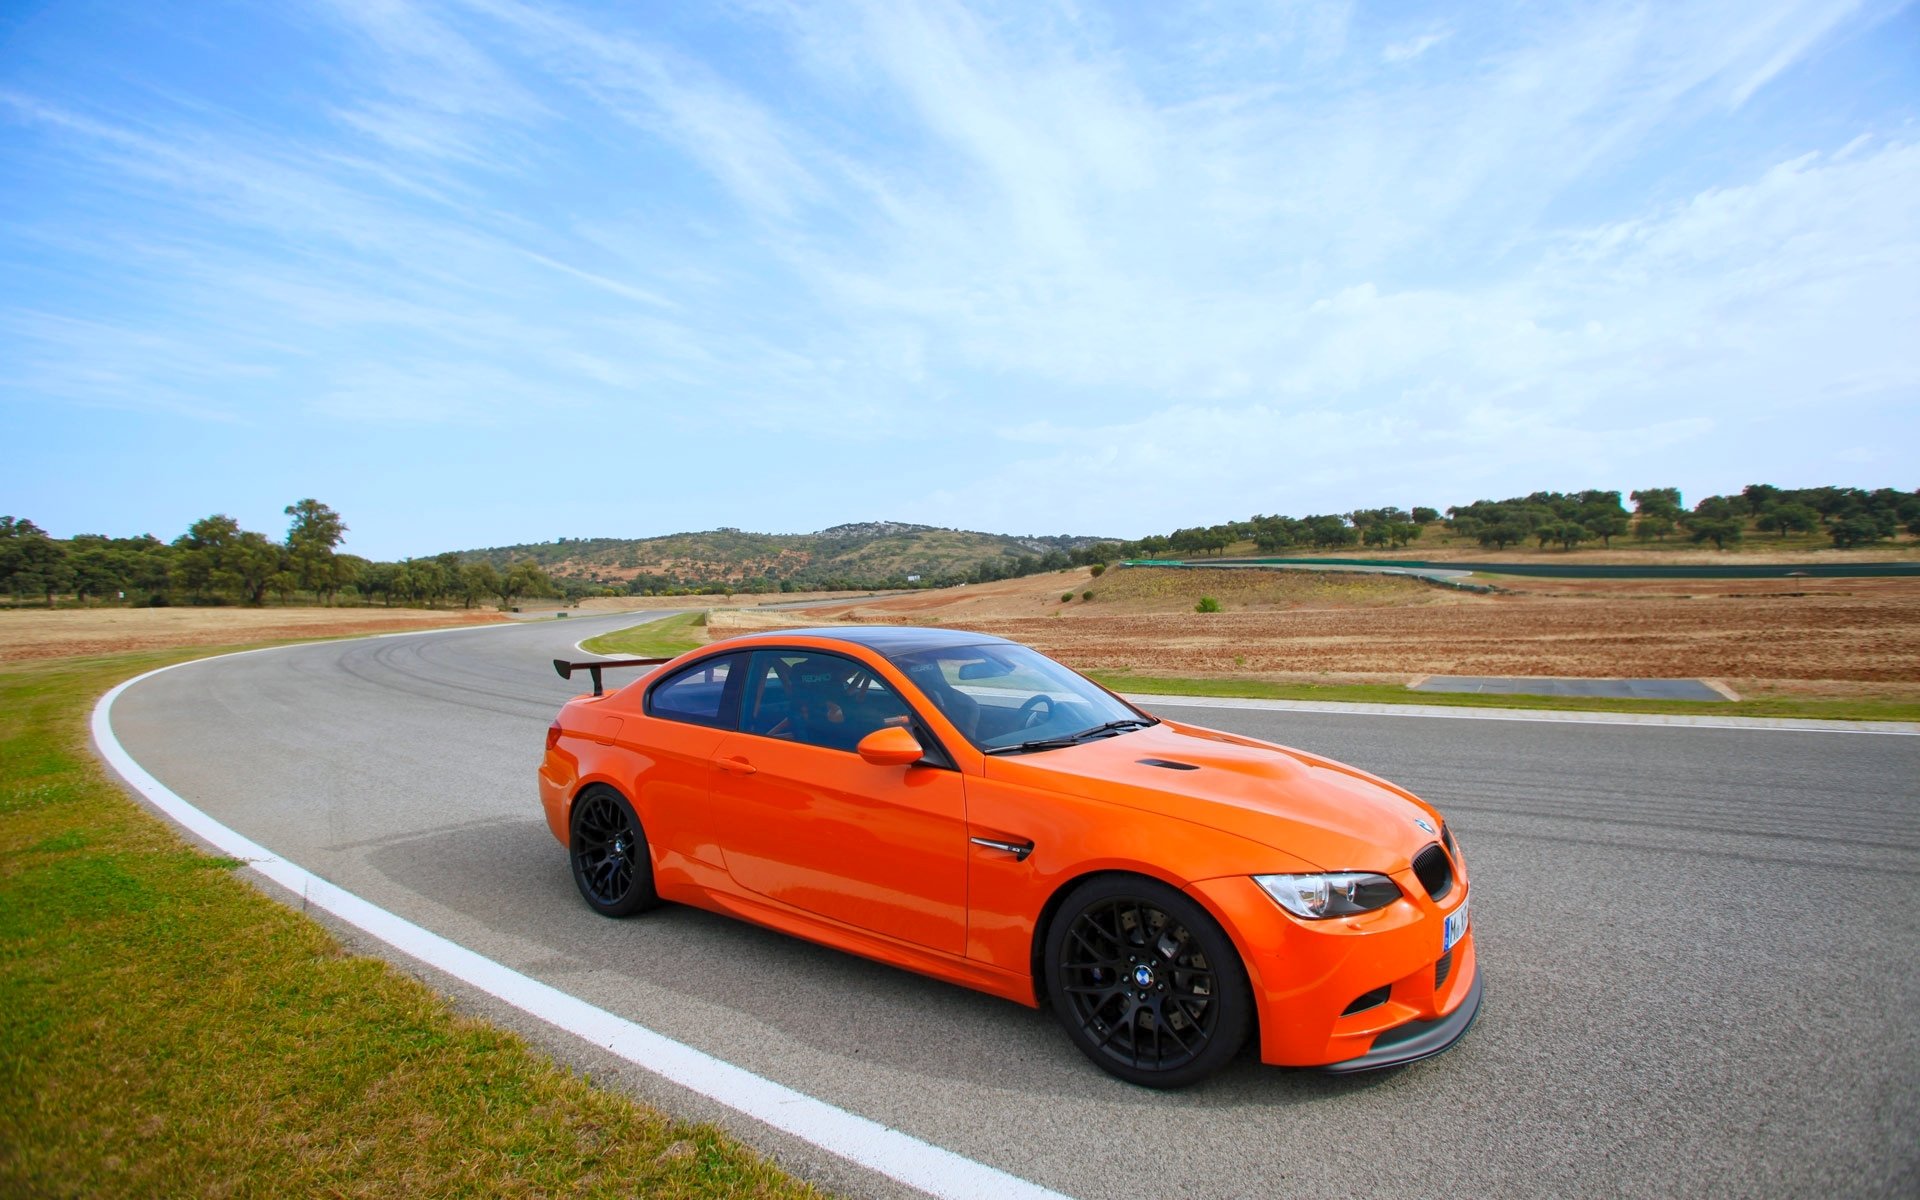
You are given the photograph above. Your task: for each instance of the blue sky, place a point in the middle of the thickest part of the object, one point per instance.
(493, 271)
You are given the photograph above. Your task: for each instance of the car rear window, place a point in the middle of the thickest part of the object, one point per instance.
(701, 694)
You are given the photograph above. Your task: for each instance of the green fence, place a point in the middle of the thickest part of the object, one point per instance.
(1836, 570)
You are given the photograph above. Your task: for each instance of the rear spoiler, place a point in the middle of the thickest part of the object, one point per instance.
(566, 669)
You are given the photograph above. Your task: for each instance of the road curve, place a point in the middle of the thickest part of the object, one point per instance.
(1701, 946)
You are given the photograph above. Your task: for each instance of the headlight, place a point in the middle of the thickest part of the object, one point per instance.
(1341, 894)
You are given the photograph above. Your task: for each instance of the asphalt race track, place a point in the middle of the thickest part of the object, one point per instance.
(1701, 946)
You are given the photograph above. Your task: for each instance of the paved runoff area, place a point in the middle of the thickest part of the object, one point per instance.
(1701, 946)
(1614, 689)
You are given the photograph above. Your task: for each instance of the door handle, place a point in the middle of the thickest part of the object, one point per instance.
(737, 766)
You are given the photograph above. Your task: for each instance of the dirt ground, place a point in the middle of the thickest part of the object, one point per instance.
(34, 633)
(612, 604)
(1776, 636)
(1857, 637)
(57, 633)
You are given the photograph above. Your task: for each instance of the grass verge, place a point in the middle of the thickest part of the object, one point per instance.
(1815, 707)
(165, 1029)
(655, 639)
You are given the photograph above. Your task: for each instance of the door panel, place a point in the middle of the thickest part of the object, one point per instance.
(882, 848)
(817, 827)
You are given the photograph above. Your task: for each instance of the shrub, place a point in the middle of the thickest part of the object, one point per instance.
(1086, 595)
(1098, 569)
(1207, 604)
(1065, 596)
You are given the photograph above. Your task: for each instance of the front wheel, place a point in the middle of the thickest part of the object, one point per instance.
(1145, 982)
(611, 864)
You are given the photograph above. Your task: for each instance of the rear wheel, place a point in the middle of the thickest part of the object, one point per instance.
(1145, 982)
(611, 864)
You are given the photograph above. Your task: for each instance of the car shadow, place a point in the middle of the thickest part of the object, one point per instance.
(510, 876)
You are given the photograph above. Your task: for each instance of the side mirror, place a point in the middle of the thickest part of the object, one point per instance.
(890, 746)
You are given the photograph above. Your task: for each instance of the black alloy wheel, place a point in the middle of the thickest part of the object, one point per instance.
(611, 865)
(1146, 983)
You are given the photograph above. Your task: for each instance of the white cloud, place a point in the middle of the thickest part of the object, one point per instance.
(1190, 257)
(1413, 47)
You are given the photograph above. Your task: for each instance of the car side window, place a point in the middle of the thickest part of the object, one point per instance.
(819, 699)
(706, 693)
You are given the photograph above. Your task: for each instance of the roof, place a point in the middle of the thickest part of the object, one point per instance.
(883, 639)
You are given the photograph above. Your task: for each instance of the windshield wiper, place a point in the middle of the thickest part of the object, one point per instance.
(1115, 726)
(1035, 744)
(1059, 743)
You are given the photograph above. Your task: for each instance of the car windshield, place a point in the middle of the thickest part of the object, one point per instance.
(1009, 699)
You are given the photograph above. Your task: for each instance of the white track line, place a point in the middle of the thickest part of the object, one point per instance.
(899, 1156)
(1561, 716)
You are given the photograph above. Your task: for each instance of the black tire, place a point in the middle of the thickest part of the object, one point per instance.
(1145, 982)
(612, 865)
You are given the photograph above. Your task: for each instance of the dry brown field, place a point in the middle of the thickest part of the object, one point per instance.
(28, 633)
(1759, 637)
(36, 633)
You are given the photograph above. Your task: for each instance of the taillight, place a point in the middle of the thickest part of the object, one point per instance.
(553, 735)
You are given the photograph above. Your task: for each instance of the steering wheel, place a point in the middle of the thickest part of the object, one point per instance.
(1030, 714)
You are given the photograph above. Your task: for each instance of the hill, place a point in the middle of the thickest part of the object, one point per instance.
(862, 555)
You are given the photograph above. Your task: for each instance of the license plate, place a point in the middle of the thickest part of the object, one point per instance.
(1455, 928)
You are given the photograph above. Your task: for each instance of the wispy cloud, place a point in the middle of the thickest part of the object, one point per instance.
(1255, 254)
(1413, 47)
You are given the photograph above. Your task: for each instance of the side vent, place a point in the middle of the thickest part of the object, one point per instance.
(1171, 766)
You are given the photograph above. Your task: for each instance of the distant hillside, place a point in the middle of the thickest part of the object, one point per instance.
(868, 554)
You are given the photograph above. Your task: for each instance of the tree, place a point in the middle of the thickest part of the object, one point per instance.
(1566, 534)
(1788, 518)
(1329, 531)
(429, 582)
(1848, 532)
(311, 538)
(248, 564)
(1425, 516)
(97, 568)
(31, 563)
(1650, 527)
(1501, 534)
(526, 579)
(1657, 502)
(197, 562)
(1759, 496)
(1602, 515)
(1719, 508)
(1721, 531)
(477, 581)
(379, 579)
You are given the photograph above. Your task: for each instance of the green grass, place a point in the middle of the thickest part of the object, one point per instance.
(1818, 707)
(165, 1029)
(655, 639)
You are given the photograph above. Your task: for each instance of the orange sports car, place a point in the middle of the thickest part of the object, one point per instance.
(965, 807)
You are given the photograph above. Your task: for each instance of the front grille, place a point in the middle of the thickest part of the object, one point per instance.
(1442, 969)
(1372, 999)
(1435, 871)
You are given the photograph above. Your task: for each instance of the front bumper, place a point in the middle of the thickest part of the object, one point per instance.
(1415, 1040)
(1307, 977)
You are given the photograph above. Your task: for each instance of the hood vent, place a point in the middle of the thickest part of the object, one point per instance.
(1171, 766)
